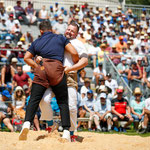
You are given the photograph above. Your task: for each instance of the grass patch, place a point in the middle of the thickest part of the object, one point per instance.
(130, 132)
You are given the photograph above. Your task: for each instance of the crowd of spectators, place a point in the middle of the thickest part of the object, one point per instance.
(121, 35)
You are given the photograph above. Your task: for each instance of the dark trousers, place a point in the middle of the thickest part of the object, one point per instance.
(61, 93)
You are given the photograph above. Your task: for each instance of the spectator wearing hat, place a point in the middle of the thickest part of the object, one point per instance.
(88, 108)
(4, 53)
(115, 56)
(14, 62)
(143, 20)
(137, 107)
(5, 109)
(82, 75)
(11, 22)
(113, 40)
(134, 73)
(119, 105)
(20, 13)
(28, 36)
(102, 109)
(43, 14)
(144, 125)
(60, 27)
(81, 37)
(18, 101)
(30, 13)
(111, 83)
(85, 88)
(20, 52)
(123, 69)
(103, 47)
(99, 73)
(51, 13)
(3, 28)
(120, 44)
(56, 7)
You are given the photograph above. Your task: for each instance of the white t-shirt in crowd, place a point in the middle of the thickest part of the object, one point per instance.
(96, 70)
(84, 90)
(147, 103)
(112, 84)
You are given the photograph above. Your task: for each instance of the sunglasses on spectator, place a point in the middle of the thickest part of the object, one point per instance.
(137, 94)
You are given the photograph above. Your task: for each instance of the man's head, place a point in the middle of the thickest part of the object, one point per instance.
(103, 98)
(72, 30)
(19, 70)
(119, 92)
(89, 94)
(45, 26)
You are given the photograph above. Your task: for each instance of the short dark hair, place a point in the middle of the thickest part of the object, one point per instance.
(74, 23)
(45, 26)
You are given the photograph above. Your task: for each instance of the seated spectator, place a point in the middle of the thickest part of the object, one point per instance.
(4, 54)
(115, 56)
(85, 88)
(99, 73)
(30, 13)
(111, 83)
(101, 53)
(20, 13)
(5, 109)
(120, 44)
(20, 52)
(26, 90)
(7, 73)
(119, 106)
(14, 64)
(60, 27)
(141, 67)
(137, 108)
(43, 14)
(144, 125)
(18, 101)
(102, 109)
(28, 36)
(82, 75)
(21, 78)
(123, 69)
(3, 29)
(133, 74)
(87, 110)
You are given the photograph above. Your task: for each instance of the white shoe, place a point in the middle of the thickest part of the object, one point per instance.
(66, 135)
(24, 131)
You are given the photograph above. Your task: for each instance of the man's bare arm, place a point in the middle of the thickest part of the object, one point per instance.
(28, 59)
(79, 65)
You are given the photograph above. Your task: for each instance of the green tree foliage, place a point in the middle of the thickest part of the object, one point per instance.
(138, 2)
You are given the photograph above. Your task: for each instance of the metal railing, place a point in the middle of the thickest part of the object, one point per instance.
(129, 86)
(137, 9)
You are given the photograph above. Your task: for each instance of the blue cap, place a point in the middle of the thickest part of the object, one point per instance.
(6, 93)
(62, 8)
(55, 15)
(65, 12)
(98, 18)
(56, 3)
(121, 26)
(9, 86)
(90, 91)
(135, 16)
(51, 6)
(144, 9)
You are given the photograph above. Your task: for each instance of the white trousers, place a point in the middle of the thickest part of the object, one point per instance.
(46, 110)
